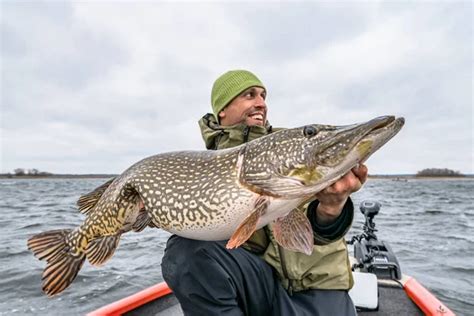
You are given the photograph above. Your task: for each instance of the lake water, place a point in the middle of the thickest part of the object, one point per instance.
(429, 224)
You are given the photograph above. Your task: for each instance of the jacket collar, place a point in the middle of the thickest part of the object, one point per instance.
(216, 136)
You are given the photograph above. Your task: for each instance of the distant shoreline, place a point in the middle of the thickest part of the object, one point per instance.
(415, 177)
(59, 176)
(404, 177)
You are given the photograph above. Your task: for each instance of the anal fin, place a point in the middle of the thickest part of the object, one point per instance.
(294, 232)
(153, 225)
(249, 225)
(143, 220)
(102, 249)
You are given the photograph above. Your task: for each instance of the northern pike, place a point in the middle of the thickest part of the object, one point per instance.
(213, 195)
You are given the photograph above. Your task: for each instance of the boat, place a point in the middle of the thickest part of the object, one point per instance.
(398, 179)
(380, 288)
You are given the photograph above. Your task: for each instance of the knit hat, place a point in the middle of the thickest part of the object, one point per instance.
(230, 85)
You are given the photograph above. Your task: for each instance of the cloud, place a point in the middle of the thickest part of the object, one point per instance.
(94, 87)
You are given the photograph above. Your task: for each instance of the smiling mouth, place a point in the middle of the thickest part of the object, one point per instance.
(257, 116)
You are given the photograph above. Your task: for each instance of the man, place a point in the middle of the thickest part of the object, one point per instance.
(262, 278)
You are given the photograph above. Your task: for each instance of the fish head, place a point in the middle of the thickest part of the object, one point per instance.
(309, 158)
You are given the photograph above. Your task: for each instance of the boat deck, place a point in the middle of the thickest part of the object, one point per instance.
(167, 305)
(392, 301)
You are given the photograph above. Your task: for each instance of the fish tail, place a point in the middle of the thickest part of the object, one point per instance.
(63, 263)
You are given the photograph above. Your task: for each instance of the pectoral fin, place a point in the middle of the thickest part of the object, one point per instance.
(294, 232)
(249, 225)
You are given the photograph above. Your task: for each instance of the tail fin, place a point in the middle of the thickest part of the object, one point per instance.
(48, 245)
(62, 264)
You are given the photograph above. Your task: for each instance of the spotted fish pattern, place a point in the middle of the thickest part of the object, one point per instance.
(213, 195)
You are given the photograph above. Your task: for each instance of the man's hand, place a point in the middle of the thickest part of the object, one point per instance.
(333, 198)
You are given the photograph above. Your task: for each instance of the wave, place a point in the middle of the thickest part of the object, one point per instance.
(30, 226)
(434, 212)
(467, 270)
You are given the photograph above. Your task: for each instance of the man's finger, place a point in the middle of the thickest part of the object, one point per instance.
(361, 173)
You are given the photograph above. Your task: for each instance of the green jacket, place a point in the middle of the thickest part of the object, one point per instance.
(328, 267)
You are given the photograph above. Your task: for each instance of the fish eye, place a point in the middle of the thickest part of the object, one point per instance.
(309, 131)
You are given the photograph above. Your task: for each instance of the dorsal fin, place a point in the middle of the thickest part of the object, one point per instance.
(87, 202)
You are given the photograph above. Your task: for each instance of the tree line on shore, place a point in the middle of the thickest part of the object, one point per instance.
(439, 172)
(429, 172)
(32, 173)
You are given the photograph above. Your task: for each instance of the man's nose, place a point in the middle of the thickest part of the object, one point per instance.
(260, 103)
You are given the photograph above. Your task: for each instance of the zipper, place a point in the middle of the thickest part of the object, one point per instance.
(246, 133)
(285, 272)
(218, 140)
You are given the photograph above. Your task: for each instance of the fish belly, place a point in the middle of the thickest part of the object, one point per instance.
(220, 222)
(223, 226)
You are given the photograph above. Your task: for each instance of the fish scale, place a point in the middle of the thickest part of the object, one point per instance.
(214, 195)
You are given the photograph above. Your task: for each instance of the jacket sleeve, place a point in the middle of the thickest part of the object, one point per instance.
(326, 234)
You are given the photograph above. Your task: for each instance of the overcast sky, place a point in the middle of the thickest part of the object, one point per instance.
(94, 87)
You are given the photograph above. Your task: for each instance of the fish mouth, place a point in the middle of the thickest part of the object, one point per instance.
(381, 129)
(383, 123)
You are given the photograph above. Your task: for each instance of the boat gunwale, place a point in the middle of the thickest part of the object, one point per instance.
(133, 301)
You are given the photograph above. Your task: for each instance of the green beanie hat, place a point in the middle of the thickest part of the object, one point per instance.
(230, 85)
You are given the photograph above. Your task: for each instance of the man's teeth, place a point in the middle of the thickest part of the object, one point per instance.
(257, 117)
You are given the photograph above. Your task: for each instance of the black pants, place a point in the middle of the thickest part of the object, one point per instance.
(209, 279)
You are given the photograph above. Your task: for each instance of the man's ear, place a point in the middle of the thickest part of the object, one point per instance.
(221, 114)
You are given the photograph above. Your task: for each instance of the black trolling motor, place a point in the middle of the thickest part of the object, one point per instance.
(373, 255)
